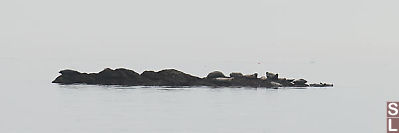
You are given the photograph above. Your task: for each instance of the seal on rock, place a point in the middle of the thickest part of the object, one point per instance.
(271, 76)
(215, 74)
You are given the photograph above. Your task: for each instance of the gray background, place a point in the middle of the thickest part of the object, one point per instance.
(285, 36)
(351, 43)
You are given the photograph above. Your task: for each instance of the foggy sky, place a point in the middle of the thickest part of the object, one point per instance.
(289, 36)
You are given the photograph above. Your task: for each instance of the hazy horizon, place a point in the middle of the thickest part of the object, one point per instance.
(201, 36)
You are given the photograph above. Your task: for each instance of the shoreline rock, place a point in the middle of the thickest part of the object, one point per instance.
(173, 77)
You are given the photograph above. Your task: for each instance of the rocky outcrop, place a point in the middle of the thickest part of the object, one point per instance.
(236, 75)
(172, 77)
(169, 77)
(106, 77)
(215, 74)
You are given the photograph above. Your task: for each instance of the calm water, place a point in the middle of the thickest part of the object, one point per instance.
(30, 103)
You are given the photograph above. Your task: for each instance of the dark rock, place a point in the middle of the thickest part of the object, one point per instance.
(119, 76)
(300, 83)
(250, 82)
(172, 77)
(69, 72)
(215, 74)
(151, 75)
(73, 77)
(175, 78)
(321, 85)
(169, 77)
(236, 75)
